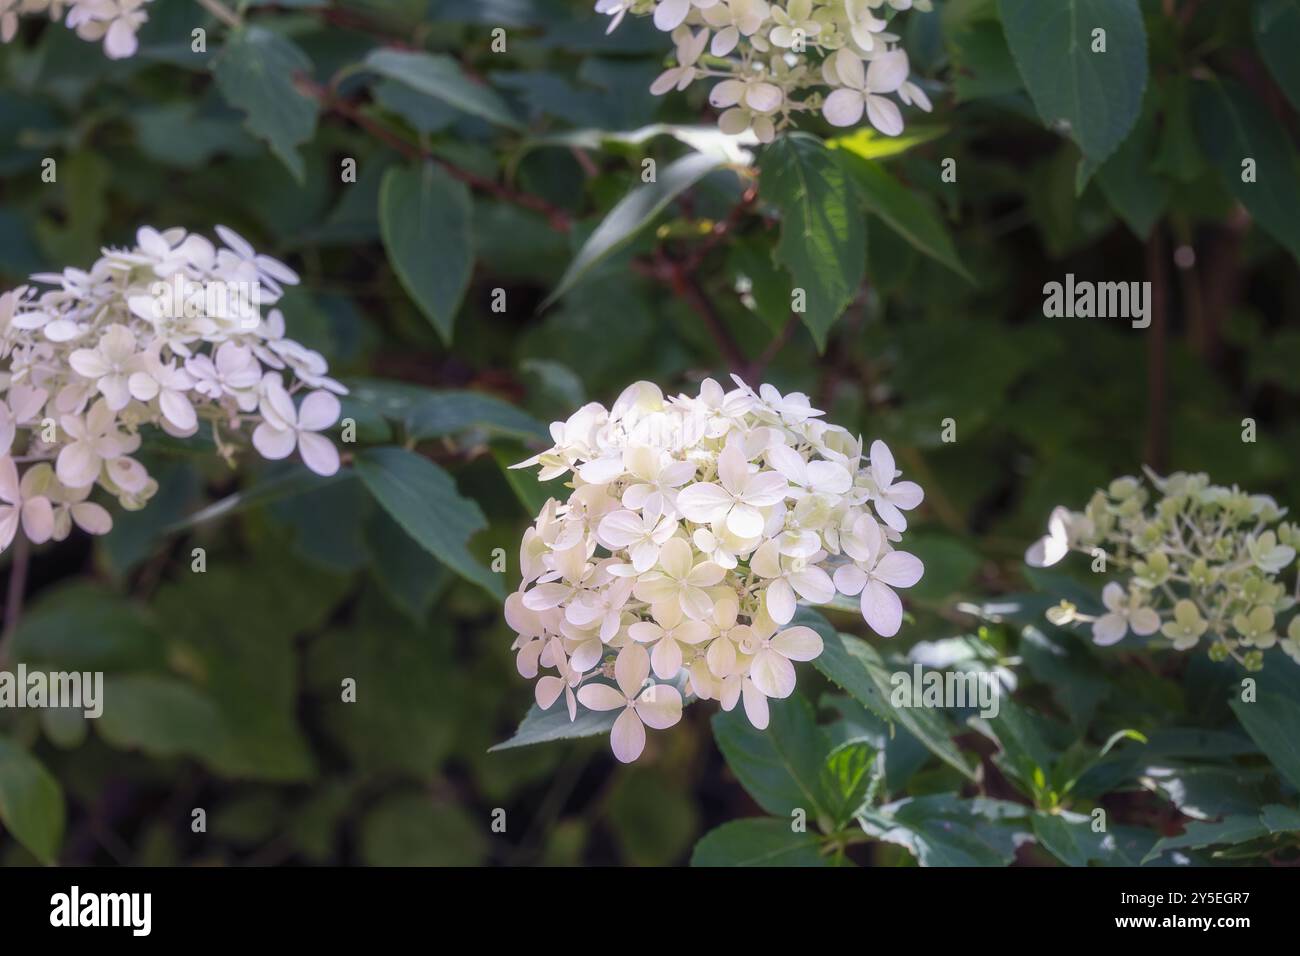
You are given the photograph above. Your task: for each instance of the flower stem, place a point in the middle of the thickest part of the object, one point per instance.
(221, 12)
(14, 594)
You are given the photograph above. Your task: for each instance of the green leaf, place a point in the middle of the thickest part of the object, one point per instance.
(441, 77)
(769, 285)
(1277, 33)
(425, 218)
(542, 726)
(1198, 790)
(1126, 179)
(423, 499)
(950, 563)
(451, 412)
(1230, 830)
(903, 210)
(532, 494)
(432, 413)
(83, 626)
(846, 778)
(655, 819)
(633, 213)
(1178, 154)
(758, 842)
(944, 830)
(1071, 839)
(780, 767)
(279, 484)
(234, 628)
(983, 64)
(1026, 756)
(255, 73)
(1233, 126)
(162, 716)
(1099, 95)
(823, 238)
(31, 802)
(866, 143)
(1273, 722)
(853, 664)
(407, 712)
(1280, 819)
(409, 829)
(408, 574)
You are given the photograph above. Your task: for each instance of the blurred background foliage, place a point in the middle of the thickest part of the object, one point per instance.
(226, 684)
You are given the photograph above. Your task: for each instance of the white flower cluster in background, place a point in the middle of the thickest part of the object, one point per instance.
(692, 527)
(774, 61)
(164, 334)
(1200, 561)
(115, 22)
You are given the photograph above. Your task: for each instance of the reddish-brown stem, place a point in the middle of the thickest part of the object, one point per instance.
(14, 594)
(1221, 282)
(559, 219)
(1156, 445)
(687, 285)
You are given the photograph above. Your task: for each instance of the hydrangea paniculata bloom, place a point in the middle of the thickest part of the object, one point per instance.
(692, 527)
(774, 61)
(115, 22)
(167, 334)
(1198, 561)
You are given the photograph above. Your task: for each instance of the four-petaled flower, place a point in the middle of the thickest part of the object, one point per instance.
(737, 497)
(658, 706)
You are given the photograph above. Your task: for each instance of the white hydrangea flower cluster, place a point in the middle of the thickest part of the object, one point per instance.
(166, 334)
(693, 526)
(115, 22)
(1203, 560)
(775, 61)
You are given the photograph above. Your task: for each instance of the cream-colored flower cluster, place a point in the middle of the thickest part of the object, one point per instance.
(166, 334)
(692, 527)
(775, 61)
(114, 22)
(1198, 561)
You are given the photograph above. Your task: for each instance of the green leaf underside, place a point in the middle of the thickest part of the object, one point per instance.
(631, 214)
(542, 726)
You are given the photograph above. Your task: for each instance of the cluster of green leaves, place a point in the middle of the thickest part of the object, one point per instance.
(524, 171)
(877, 776)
